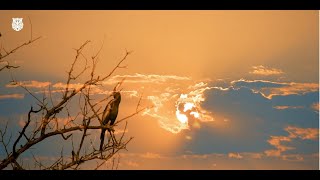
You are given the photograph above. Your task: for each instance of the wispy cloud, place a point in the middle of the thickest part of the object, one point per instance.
(265, 71)
(166, 121)
(131, 93)
(198, 85)
(294, 133)
(287, 107)
(291, 88)
(149, 155)
(30, 84)
(303, 133)
(269, 89)
(252, 155)
(131, 163)
(276, 141)
(315, 106)
(145, 78)
(61, 85)
(235, 155)
(11, 96)
(292, 157)
(55, 87)
(218, 161)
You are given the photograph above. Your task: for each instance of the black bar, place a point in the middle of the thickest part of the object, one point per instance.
(160, 4)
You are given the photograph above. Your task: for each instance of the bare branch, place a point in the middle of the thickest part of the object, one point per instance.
(117, 66)
(8, 67)
(2, 140)
(48, 124)
(14, 153)
(18, 47)
(72, 66)
(138, 103)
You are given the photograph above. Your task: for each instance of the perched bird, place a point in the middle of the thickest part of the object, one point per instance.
(110, 113)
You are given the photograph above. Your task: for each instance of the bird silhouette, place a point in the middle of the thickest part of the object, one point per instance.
(110, 113)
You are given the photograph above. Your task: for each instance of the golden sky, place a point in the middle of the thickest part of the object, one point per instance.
(202, 44)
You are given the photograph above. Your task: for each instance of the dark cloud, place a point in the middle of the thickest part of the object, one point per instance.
(256, 84)
(250, 119)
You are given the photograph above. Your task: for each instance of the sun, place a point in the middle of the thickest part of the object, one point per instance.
(189, 111)
(181, 117)
(187, 106)
(184, 118)
(177, 112)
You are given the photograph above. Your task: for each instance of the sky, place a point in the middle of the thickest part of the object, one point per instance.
(229, 89)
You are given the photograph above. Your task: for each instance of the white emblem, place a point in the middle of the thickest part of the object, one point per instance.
(17, 24)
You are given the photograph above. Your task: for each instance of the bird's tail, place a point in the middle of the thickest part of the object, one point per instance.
(103, 132)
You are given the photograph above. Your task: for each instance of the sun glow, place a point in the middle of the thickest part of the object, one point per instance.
(176, 111)
(181, 117)
(195, 114)
(189, 111)
(188, 106)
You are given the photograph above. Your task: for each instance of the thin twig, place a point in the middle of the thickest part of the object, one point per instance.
(18, 47)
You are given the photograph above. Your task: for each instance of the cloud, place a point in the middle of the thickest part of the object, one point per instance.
(167, 121)
(198, 85)
(131, 93)
(291, 88)
(292, 157)
(30, 84)
(197, 156)
(189, 105)
(12, 96)
(254, 119)
(315, 106)
(55, 88)
(94, 90)
(61, 85)
(264, 71)
(162, 91)
(245, 160)
(145, 78)
(138, 80)
(235, 155)
(252, 155)
(269, 89)
(247, 136)
(287, 107)
(276, 141)
(188, 111)
(149, 155)
(131, 163)
(303, 133)
(294, 133)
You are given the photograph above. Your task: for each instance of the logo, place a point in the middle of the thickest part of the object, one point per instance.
(17, 24)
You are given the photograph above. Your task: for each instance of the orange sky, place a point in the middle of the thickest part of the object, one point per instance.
(215, 44)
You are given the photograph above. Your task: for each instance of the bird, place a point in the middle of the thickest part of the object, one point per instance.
(110, 113)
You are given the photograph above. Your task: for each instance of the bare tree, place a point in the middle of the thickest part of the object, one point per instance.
(42, 121)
